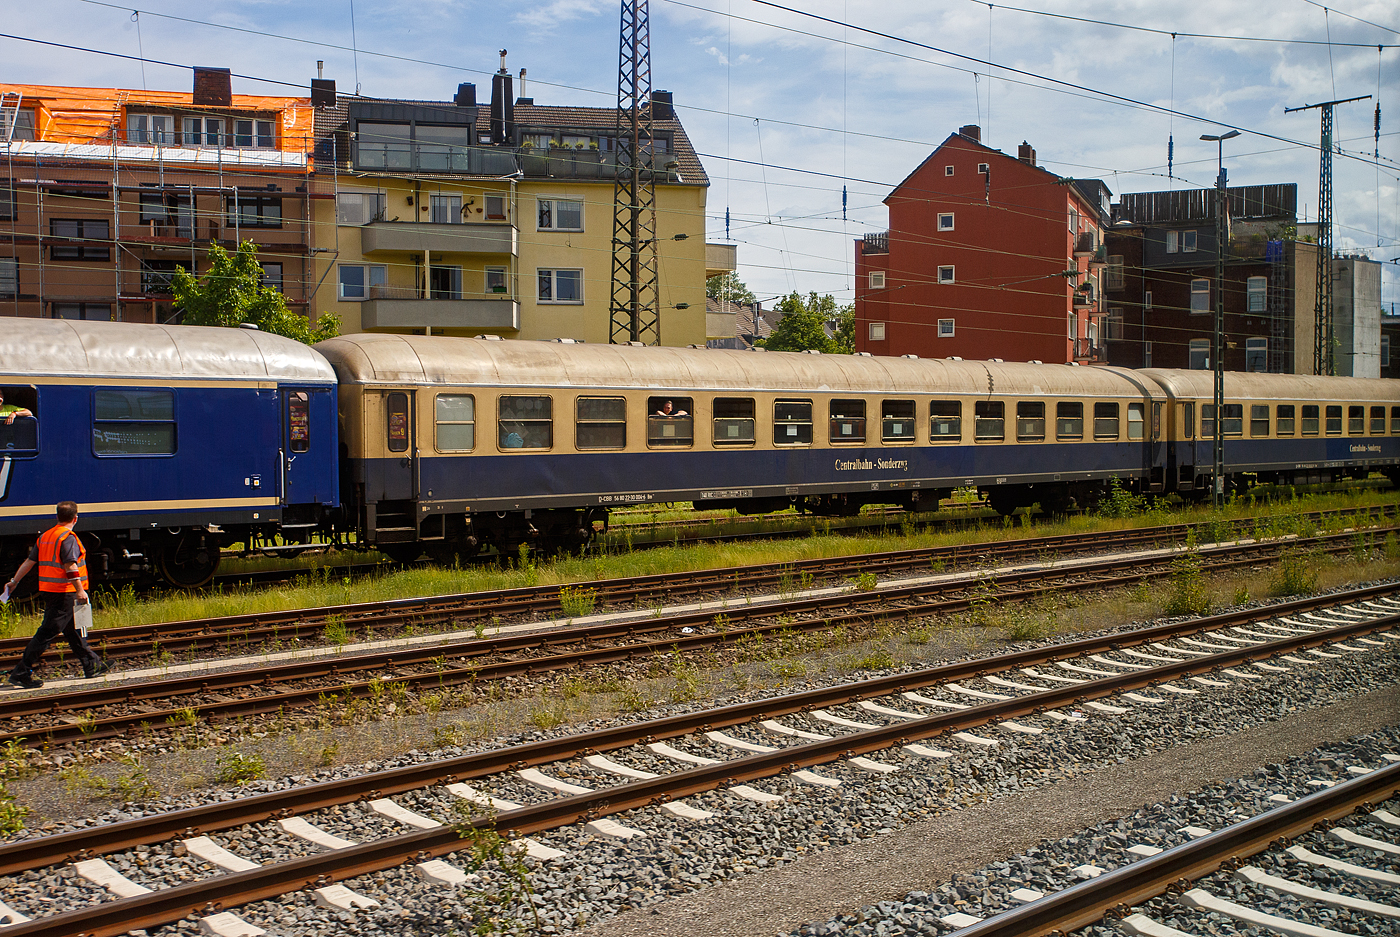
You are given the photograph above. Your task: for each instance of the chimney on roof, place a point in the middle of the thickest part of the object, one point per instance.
(466, 95)
(522, 99)
(972, 132)
(661, 106)
(213, 87)
(1026, 153)
(502, 105)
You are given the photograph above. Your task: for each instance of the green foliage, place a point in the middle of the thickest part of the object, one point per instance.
(1189, 595)
(866, 582)
(12, 814)
(232, 292)
(728, 286)
(498, 908)
(803, 325)
(1120, 502)
(238, 768)
(336, 631)
(1295, 575)
(577, 602)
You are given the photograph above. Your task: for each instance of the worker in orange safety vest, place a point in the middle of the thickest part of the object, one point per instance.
(63, 581)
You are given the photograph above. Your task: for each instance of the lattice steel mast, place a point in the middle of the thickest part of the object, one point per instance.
(1324, 357)
(635, 305)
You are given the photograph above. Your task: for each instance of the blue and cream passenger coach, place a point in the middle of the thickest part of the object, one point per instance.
(173, 440)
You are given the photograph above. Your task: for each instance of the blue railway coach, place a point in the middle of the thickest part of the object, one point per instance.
(174, 440)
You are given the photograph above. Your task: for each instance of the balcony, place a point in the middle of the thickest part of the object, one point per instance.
(408, 237)
(398, 308)
(1088, 351)
(876, 243)
(1084, 245)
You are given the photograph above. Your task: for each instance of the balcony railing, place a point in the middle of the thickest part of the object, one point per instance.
(876, 243)
(397, 308)
(1086, 349)
(417, 237)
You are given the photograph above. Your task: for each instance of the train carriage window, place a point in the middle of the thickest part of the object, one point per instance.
(1069, 421)
(792, 422)
(1395, 421)
(989, 419)
(456, 422)
(299, 420)
(1030, 421)
(897, 421)
(525, 423)
(21, 436)
(397, 424)
(669, 422)
(848, 421)
(734, 421)
(1207, 421)
(1259, 419)
(1156, 421)
(1105, 421)
(945, 420)
(601, 423)
(1378, 421)
(1356, 420)
(1283, 419)
(1232, 419)
(1188, 420)
(1135, 421)
(130, 422)
(1310, 420)
(1334, 421)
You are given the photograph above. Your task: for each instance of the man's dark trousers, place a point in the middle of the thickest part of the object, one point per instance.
(58, 619)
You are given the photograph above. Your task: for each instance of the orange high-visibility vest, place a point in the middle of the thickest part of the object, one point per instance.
(52, 576)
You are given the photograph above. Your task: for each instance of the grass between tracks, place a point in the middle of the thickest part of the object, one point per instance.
(319, 588)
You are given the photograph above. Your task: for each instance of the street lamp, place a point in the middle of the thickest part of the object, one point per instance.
(1222, 241)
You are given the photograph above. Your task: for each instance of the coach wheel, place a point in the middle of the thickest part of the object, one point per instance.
(1055, 502)
(401, 553)
(189, 559)
(1004, 504)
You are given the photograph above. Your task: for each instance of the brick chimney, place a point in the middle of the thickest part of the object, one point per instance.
(972, 132)
(1026, 153)
(213, 87)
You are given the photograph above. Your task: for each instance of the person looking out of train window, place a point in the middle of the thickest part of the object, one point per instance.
(63, 580)
(9, 411)
(668, 409)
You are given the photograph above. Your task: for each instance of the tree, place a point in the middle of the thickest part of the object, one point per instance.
(728, 286)
(803, 325)
(846, 329)
(232, 292)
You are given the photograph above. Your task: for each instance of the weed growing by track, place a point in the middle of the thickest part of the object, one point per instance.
(498, 907)
(238, 768)
(1296, 574)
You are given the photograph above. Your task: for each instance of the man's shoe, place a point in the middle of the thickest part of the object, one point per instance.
(28, 681)
(96, 669)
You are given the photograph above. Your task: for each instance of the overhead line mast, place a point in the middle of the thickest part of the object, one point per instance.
(635, 304)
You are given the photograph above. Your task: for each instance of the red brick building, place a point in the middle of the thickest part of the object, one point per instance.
(987, 256)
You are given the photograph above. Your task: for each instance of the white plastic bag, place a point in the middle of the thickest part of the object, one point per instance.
(82, 618)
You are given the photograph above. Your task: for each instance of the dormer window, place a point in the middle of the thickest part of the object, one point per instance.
(156, 129)
(23, 125)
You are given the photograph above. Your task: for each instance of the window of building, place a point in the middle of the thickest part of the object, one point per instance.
(558, 214)
(1256, 354)
(525, 422)
(848, 421)
(734, 421)
(203, 131)
(496, 280)
(1073, 323)
(1188, 242)
(945, 420)
(130, 422)
(1334, 421)
(442, 148)
(1283, 419)
(7, 200)
(1113, 325)
(792, 422)
(91, 312)
(358, 281)
(23, 124)
(1069, 421)
(254, 211)
(170, 212)
(1030, 421)
(383, 146)
(1378, 421)
(945, 274)
(1385, 339)
(1105, 421)
(945, 221)
(947, 170)
(1257, 291)
(252, 133)
(456, 422)
(989, 420)
(877, 331)
(945, 328)
(1147, 354)
(1073, 221)
(444, 282)
(150, 128)
(984, 168)
(560, 286)
(9, 277)
(1114, 272)
(601, 423)
(1356, 421)
(1200, 296)
(877, 279)
(495, 208)
(90, 239)
(446, 209)
(397, 426)
(1258, 419)
(1198, 354)
(271, 275)
(897, 421)
(356, 208)
(670, 422)
(1310, 420)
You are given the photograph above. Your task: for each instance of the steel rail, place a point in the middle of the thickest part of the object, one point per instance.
(1090, 901)
(214, 893)
(869, 607)
(38, 852)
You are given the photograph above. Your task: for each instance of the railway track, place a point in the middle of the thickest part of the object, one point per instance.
(263, 630)
(819, 738)
(114, 709)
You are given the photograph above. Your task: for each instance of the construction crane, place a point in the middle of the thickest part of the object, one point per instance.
(635, 305)
(1324, 357)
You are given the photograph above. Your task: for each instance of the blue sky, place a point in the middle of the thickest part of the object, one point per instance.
(759, 84)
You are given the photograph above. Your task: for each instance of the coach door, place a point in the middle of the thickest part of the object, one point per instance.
(308, 446)
(399, 467)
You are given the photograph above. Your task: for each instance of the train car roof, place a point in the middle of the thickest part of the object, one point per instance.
(1276, 386)
(32, 348)
(372, 358)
